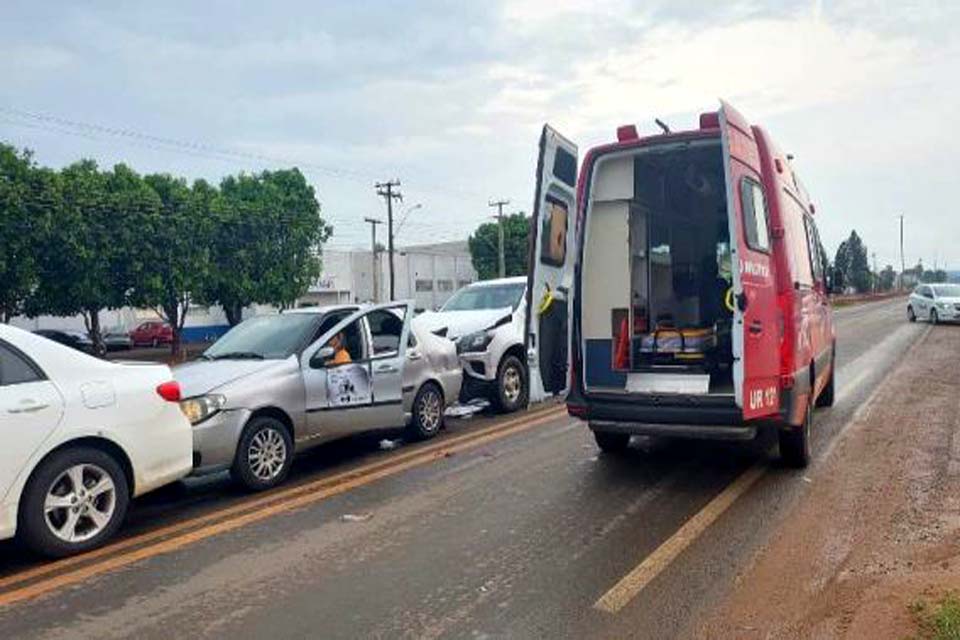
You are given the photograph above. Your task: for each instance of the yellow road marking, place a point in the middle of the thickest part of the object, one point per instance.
(238, 516)
(634, 582)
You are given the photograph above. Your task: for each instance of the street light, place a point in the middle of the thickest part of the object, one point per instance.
(406, 213)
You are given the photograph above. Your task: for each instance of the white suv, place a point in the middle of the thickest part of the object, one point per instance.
(486, 320)
(934, 302)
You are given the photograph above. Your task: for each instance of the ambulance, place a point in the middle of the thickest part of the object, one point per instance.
(678, 287)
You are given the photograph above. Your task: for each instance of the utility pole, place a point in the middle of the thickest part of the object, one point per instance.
(388, 192)
(500, 204)
(373, 251)
(903, 263)
(876, 274)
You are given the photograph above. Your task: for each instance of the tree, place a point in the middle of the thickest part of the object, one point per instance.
(84, 259)
(176, 260)
(852, 263)
(28, 197)
(270, 248)
(887, 278)
(485, 248)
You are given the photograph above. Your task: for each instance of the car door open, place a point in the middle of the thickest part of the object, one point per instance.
(550, 280)
(349, 378)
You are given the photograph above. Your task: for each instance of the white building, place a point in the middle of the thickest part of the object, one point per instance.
(428, 273)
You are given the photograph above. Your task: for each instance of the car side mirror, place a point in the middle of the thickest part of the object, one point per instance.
(320, 358)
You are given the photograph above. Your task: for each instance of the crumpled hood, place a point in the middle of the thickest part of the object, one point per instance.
(460, 323)
(203, 376)
(950, 300)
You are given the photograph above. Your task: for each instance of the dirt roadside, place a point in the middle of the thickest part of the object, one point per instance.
(879, 527)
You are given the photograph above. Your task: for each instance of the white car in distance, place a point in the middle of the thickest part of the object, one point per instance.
(81, 437)
(934, 302)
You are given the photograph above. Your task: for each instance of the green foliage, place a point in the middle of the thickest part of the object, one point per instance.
(484, 247)
(83, 240)
(887, 279)
(269, 251)
(175, 255)
(851, 262)
(940, 621)
(27, 196)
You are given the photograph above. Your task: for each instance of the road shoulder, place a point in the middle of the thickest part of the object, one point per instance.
(879, 527)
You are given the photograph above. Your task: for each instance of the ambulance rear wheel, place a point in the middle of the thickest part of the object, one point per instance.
(612, 442)
(795, 442)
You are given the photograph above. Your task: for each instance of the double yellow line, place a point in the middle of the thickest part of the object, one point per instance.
(43, 579)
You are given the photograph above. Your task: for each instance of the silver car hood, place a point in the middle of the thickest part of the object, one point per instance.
(203, 376)
(460, 323)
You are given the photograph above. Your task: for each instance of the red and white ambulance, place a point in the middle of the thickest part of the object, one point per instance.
(679, 287)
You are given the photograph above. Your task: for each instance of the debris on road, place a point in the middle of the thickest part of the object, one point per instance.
(389, 445)
(352, 517)
(467, 410)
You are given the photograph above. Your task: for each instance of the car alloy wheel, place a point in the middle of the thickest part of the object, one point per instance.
(934, 318)
(430, 410)
(911, 316)
(80, 503)
(512, 384)
(267, 454)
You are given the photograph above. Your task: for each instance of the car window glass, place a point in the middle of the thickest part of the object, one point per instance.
(553, 230)
(14, 369)
(754, 216)
(329, 322)
(947, 290)
(491, 296)
(267, 336)
(816, 264)
(385, 331)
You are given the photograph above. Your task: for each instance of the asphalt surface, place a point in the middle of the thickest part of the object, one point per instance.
(515, 535)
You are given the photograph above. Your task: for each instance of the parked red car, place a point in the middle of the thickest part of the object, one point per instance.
(152, 334)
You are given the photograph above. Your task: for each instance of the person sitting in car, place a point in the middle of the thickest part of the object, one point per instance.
(340, 353)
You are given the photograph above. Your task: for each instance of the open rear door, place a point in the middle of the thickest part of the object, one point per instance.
(550, 272)
(756, 329)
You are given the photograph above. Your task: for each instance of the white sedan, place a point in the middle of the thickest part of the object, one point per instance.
(81, 437)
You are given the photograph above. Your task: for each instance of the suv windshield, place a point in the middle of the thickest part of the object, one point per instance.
(497, 296)
(264, 337)
(947, 290)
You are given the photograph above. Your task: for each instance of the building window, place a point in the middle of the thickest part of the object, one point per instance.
(445, 285)
(424, 285)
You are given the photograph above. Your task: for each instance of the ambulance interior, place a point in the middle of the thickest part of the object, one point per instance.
(656, 278)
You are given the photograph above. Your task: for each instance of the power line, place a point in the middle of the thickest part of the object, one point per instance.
(91, 130)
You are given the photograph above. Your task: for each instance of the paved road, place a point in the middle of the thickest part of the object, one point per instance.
(502, 528)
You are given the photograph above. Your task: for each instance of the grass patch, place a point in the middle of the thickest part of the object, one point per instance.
(940, 620)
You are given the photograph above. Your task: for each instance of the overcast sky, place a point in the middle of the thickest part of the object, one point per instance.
(449, 97)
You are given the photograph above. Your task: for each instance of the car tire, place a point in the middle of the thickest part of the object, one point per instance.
(55, 481)
(427, 412)
(934, 317)
(612, 442)
(264, 454)
(911, 316)
(512, 390)
(795, 442)
(155, 343)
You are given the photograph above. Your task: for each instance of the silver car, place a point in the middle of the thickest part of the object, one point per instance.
(935, 302)
(275, 385)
